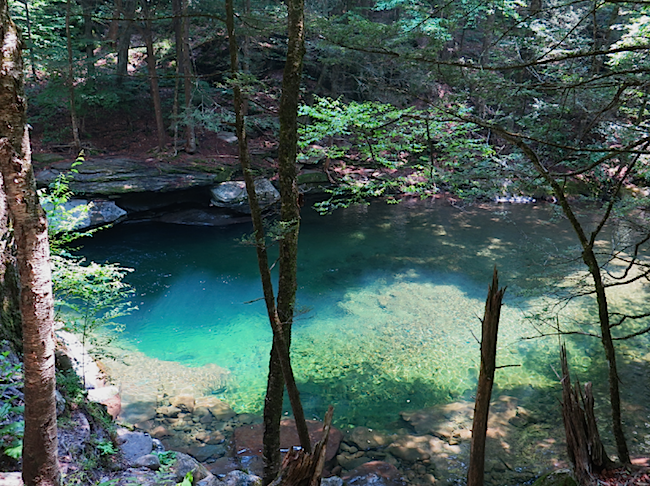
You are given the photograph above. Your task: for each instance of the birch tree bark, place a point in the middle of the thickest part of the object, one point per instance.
(40, 464)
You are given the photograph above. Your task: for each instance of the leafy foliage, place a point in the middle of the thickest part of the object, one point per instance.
(11, 426)
(88, 296)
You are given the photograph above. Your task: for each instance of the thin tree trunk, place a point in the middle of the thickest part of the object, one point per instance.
(606, 338)
(153, 75)
(124, 40)
(279, 328)
(190, 135)
(485, 382)
(86, 7)
(178, 39)
(32, 62)
(114, 26)
(71, 92)
(40, 465)
(591, 262)
(290, 217)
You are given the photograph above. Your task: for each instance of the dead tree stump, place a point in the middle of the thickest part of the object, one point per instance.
(584, 447)
(476, 469)
(302, 468)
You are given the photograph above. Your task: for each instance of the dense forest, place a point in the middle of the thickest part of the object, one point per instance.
(470, 102)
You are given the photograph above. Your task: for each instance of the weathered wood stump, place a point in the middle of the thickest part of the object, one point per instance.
(585, 449)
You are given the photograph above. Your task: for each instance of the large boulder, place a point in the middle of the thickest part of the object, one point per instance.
(82, 214)
(232, 195)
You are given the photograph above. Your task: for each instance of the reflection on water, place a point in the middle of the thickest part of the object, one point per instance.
(390, 301)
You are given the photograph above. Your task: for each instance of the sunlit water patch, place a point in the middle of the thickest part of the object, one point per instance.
(390, 300)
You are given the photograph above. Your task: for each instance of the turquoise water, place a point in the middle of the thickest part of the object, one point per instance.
(390, 300)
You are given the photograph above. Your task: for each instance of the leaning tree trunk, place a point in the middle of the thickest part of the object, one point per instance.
(476, 469)
(40, 465)
(290, 216)
(584, 447)
(606, 338)
(590, 260)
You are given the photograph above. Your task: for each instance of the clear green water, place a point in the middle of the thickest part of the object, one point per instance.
(390, 300)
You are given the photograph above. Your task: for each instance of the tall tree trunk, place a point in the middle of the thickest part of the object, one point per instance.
(290, 217)
(178, 42)
(87, 9)
(190, 135)
(153, 75)
(124, 40)
(281, 331)
(40, 465)
(70, 81)
(490, 329)
(114, 27)
(28, 21)
(280, 342)
(590, 260)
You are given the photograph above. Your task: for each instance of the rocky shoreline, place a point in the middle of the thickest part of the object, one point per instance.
(217, 443)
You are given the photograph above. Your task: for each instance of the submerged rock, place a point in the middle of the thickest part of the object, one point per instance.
(376, 473)
(365, 438)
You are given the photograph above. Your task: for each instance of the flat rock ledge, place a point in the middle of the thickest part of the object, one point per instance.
(105, 176)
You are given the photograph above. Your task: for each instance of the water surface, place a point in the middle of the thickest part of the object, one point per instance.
(389, 306)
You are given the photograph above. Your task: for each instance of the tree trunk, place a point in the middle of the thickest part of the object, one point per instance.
(124, 40)
(281, 332)
(584, 447)
(590, 260)
(114, 26)
(87, 9)
(190, 135)
(153, 75)
(40, 465)
(606, 338)
(32, 62)
(76, 141)
(290, 217)
(476, 469)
